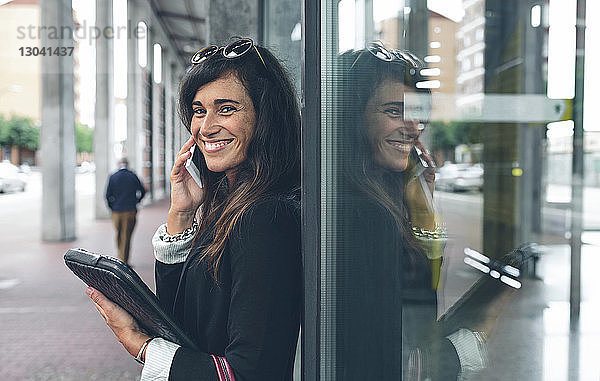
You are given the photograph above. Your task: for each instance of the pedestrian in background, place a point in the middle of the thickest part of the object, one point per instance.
(123, 193)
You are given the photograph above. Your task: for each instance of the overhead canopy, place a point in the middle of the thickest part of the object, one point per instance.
(184, 22)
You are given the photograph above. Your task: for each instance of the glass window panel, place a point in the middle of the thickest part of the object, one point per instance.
(422, 200)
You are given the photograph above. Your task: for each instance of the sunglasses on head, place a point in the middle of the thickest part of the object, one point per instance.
(236, 49)
(379, 51)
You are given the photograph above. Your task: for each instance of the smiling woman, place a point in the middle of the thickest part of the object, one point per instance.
(228, 259)
(223, 124)
(388, 237)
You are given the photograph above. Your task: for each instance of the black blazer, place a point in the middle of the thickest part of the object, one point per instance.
(386, 308)
(252, 317)
(124, 191)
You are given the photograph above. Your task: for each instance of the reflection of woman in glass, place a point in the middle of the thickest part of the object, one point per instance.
(390, 240)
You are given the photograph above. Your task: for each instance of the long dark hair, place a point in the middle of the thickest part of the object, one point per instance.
(272, 165)
(360, 73)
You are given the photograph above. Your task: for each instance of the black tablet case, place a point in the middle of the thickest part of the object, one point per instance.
(471, 306)
(119, 283)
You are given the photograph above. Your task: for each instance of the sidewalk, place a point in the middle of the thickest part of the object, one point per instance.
(50, 329)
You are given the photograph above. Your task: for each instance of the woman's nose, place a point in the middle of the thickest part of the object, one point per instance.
(209, 125)
(413, 128)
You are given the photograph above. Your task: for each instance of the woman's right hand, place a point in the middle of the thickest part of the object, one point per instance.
(186, 195)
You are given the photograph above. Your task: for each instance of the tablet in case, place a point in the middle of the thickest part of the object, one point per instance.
(502, 276)
(119, 283)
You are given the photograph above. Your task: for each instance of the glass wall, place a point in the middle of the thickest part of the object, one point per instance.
(456, 181)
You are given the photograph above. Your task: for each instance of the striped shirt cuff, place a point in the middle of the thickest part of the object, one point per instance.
(170, 252)
(471, 350)
(159, 357)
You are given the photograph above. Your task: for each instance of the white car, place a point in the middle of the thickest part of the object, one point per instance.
(10, 178)
(459, 177)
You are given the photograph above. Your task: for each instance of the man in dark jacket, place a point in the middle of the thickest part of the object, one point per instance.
(123, 193)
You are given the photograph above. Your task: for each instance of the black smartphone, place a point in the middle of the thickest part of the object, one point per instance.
(193, 165)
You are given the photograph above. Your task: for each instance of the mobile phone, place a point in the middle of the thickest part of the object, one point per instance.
(418, 158)
(192, 165)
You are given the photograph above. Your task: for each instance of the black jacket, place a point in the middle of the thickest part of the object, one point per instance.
(386, 309)
(124, 191)
(252, 317)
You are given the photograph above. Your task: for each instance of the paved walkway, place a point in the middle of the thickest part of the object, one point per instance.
(50, 329)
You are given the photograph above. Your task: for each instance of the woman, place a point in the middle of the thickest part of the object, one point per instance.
(389, 236)
(232, 279)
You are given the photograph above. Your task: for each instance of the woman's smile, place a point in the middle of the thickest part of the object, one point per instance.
(401, 145)
(216, 146)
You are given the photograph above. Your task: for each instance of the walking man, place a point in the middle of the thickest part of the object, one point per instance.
(123, 193)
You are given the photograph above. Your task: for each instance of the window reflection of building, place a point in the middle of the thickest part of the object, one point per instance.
(470, 57)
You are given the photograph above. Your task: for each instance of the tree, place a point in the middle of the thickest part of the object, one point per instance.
(84, 137)
(3, 131)
(19, 131)
(443, 135)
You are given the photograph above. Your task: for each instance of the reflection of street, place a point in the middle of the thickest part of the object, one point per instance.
(44, 313)
(463, 215)
(535, 324)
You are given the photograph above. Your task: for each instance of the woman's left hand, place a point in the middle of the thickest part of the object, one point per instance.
(120, 321)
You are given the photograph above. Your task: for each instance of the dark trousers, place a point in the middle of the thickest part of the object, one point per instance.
(124, 224)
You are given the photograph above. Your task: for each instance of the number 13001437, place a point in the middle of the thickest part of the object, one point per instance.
(27, 51)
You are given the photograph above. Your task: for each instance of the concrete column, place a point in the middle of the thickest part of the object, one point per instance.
(58, 129)
(232, 18)
(157, 137)
(104, 114)
(417, 33)
(169, 126)
(134, 91)
(179, 130)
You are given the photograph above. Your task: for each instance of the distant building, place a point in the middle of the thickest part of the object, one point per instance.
(470, 55)
(20, 74)
(441, 58)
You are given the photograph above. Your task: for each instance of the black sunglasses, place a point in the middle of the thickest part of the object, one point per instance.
(236, 49)
(379, 51)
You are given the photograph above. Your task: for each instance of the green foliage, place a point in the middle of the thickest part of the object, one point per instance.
(469, 133)
(84, 138)
(447, 135)
(442, 135)
(3, 131)
(19, 131)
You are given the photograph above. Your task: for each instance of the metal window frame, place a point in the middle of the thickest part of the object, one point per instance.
(311, 189)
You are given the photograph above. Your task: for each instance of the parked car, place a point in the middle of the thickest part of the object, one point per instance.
(86, 167)
(10, 178)
(459, 177)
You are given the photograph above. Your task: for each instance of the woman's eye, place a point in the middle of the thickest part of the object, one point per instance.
(393, 111)
(199, 111)
(227, 110)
